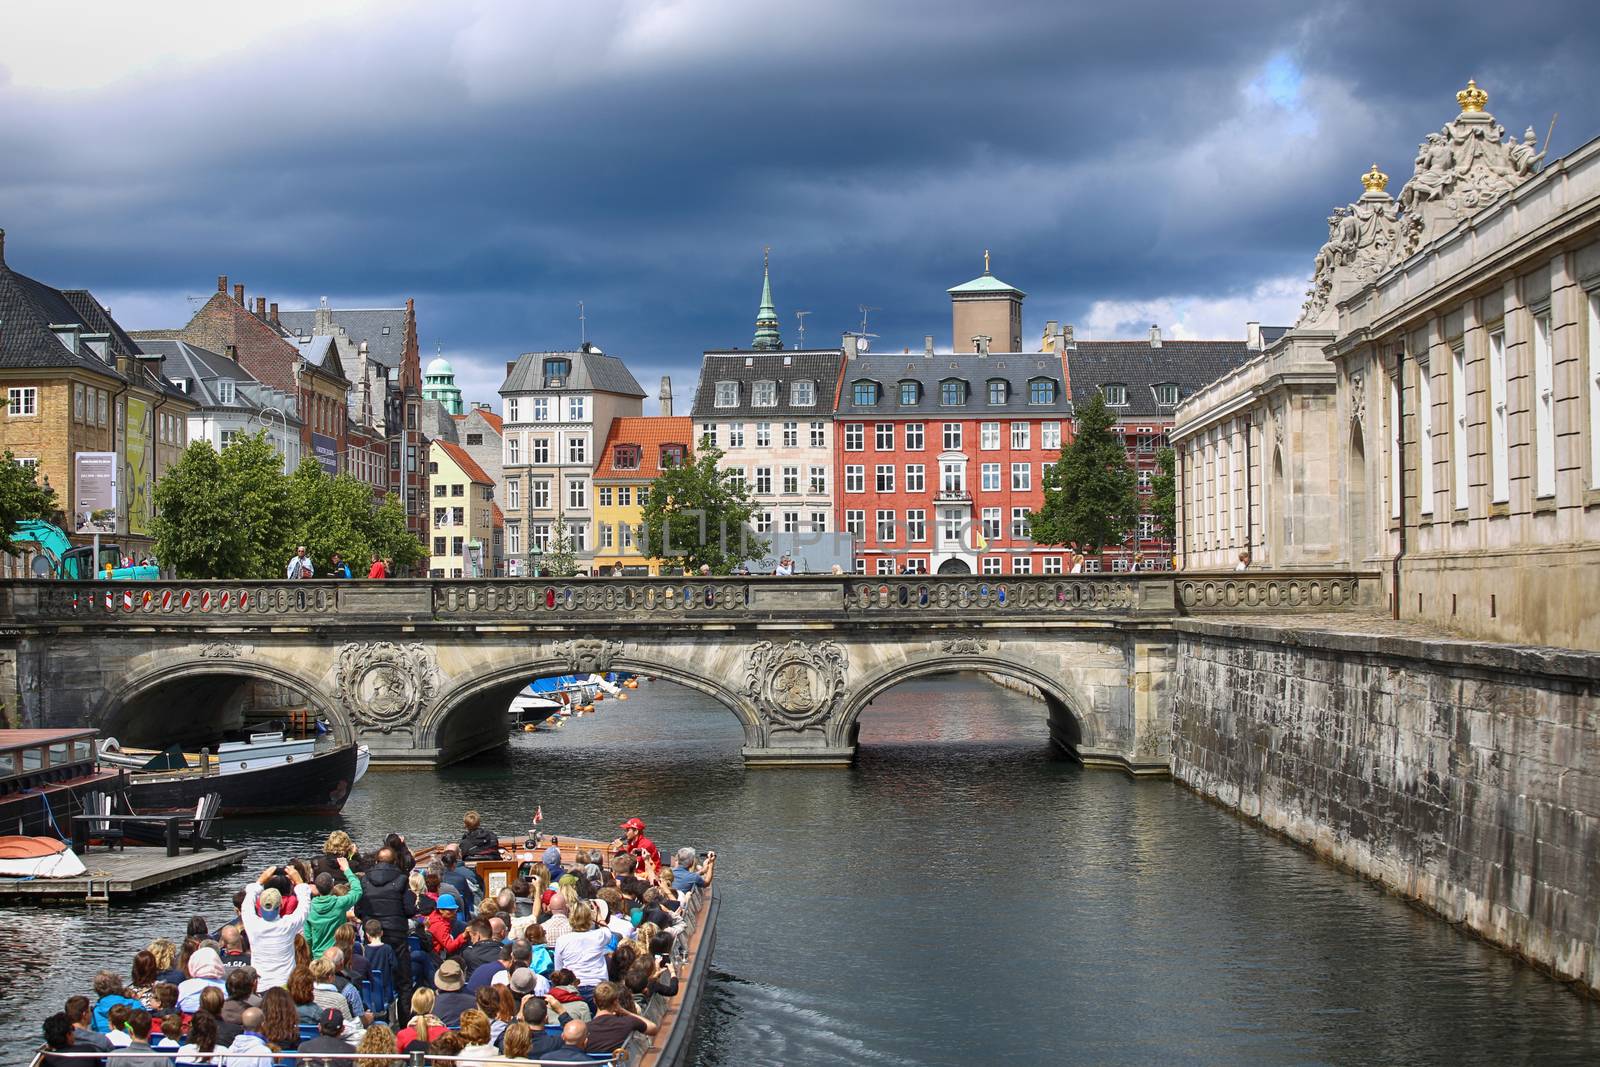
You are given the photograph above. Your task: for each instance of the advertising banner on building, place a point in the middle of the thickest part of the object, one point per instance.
(326, 449)
(94, 505)
(139, 477)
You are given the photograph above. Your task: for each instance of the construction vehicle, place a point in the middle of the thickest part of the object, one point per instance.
(59, 558)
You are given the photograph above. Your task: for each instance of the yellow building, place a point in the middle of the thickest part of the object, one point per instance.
(463, 514)
(636, 450)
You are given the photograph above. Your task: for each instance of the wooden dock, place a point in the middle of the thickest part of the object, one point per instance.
(120, 875)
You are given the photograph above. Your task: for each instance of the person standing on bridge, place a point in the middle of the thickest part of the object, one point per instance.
(377, 569)
(337, 567)
(300, 565)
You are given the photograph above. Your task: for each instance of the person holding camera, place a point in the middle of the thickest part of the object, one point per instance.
(272, 932)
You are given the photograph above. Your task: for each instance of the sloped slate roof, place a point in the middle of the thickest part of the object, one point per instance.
(818, 365)
(361, 324)
(28, 308)
(1016, 369)
(592, 372)
(1190, 365)
(204, 369)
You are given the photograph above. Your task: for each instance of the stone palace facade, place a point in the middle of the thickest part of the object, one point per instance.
(1435, 413)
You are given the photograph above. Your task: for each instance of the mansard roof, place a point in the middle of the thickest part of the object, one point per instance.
(1016, 369)
(1190, 365)
(747, 366)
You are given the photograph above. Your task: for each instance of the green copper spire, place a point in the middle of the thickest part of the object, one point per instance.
(767, 339)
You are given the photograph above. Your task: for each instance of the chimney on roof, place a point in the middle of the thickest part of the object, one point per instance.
(274, 313)
(1155, 336)
(1252, 336)
(324, 318)
(261, 307)
(238, 295)
(2, 248)
(927, 346)
(232, 352)
(666, 397)
(511, 365)
(851, 345)
(222, 283)
(1069, 342)
(980, 344)
(1049, 343)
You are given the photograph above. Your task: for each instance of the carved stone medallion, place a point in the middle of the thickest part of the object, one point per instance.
(796, 685)
(964, 646)
(220, 650)
(385, 685)
(588, 655)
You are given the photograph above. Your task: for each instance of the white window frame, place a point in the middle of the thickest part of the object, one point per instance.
(915, 436)
(855, 478)
(884, 526)
(1022, 477)
(855, 437)
(1049, 435)
(577, 493)
(989, 565)
(952, 436)
(802, 393)
(1594, 390)
(735, 435)
(791, 435)
(764, 394)
(1020, 436)
(1458, 427)
(22, 401)
(916, 478)
(763, 435)
(989, 520)
(917, 525)
(883, 478)
(763, 481)
(818, 479)
(1499, 442)
(883, 436)
(989, 478)
(790, 482)
(989, 436)
(727, 395)
(819, 435)
(1424, 422)
(1544, 409)
(855, 522)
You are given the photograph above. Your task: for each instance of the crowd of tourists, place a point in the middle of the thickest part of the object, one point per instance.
(371, 952)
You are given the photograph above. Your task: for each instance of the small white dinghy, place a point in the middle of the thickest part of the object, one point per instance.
(38, 857)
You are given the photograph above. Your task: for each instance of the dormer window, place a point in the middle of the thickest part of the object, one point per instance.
(952, 392)
(910, 393)
(556, 372)
(998, 391)
(1167, 395)
(864, 393)
(226, 391)
(1042, 391)
(764, 394)
(672, 456)
(1116, 395)
(727, 395)
(803, 394)
(625, 457)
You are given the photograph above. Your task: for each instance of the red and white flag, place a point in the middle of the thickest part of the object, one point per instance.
(538, 815)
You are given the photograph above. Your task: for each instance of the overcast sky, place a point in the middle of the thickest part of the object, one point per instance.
(1126, 163)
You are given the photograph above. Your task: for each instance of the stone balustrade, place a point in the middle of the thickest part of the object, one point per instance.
(853, 597)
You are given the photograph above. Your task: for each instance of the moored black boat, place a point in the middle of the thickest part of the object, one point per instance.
(317, 784)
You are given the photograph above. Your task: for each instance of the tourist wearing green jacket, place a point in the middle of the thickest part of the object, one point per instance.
(327, 910)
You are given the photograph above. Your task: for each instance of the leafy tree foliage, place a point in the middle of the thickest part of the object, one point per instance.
(1089, 496)
(698, 516)
(21, 497)
(1164, 494)
(560, 560)
(237, 515)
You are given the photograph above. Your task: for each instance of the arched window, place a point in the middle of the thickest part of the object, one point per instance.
(864, 393)
(910, 393)
(1042, 391)
(952, 392)
(999, 391)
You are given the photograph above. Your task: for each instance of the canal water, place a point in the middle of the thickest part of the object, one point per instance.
(960, 896)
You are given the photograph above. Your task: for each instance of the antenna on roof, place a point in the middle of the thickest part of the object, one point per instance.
(866, 309)
(583, 325)
(193, 300)
(801, 316)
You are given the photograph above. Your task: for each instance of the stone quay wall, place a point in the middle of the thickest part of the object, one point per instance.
(1462, 776)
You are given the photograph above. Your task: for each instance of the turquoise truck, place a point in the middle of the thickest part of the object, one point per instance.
(60, 558)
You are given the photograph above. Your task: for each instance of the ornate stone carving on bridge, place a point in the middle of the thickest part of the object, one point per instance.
(1358, 400)
(384, 685)
(795, 686)
(221, 650)
(1462, 169)
(964, 646)
(588, 655)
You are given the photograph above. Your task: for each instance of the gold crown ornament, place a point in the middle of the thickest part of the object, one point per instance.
(1375, 180)
(1472, 98)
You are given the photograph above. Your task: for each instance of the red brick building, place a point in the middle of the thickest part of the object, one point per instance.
(941, 458)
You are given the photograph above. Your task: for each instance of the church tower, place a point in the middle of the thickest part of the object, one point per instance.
(767, 339)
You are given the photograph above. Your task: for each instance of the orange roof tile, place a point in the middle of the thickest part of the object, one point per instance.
(496, 514)
(494, 420)
(649, 432)
(468, 465)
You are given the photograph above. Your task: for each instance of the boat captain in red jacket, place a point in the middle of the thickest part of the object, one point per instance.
(636, 844)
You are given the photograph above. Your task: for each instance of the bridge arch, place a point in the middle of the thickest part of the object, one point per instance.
(127, 712)
(467, 710)
(1070, 727)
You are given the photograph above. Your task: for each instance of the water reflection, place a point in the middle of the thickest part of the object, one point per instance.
(962, 895)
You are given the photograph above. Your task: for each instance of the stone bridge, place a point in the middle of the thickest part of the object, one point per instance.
(422, 671)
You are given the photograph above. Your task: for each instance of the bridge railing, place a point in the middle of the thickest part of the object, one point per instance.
(600, 600)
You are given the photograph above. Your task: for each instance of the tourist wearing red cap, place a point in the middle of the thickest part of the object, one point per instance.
(634, 842)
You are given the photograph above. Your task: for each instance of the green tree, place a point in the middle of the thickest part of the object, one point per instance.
(337, 513)
(698, 516)
(1089, 496)
(560, 560)
(1164, 494)
(21, 497)
(225, 516)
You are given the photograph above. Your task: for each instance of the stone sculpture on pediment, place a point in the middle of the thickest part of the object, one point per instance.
(1361, 243)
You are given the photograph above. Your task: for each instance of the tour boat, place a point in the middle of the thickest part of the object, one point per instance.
(267, 774)
(691, 950)
(43, 775)
(38, 857)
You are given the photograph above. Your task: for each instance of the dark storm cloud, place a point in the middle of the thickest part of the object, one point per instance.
(501, 164)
